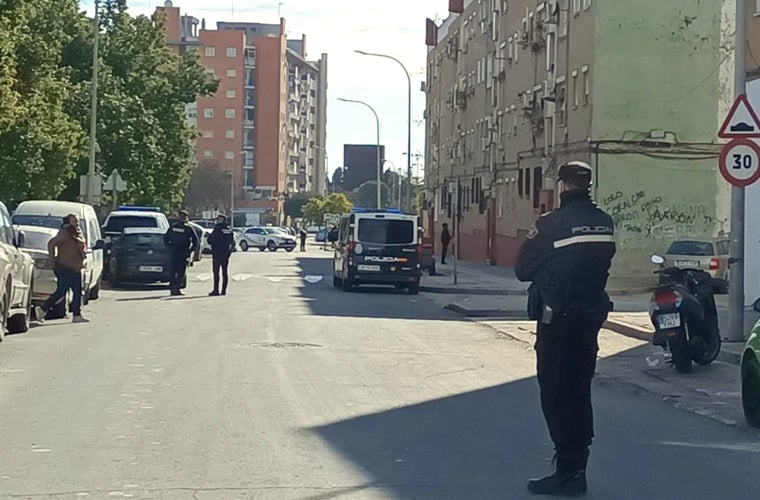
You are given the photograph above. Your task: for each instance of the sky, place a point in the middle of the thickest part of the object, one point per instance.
(338, 27)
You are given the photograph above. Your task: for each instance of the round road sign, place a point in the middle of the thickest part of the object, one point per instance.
(740, 162)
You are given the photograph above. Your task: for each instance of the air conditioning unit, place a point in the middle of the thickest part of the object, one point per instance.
(528, 100)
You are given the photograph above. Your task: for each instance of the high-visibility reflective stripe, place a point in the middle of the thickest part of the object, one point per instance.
(596, 238)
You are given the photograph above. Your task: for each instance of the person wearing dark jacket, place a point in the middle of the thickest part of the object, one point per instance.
(181, 241)
(445, 240)
(567, 257)
(222, 242)
(303, 234)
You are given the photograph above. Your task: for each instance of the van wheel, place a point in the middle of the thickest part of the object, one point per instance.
(95, 290)
(347, 284)
(414, 288)
(751, 390)
(19, 323)
(114, 281)
(337, 282)
(4, 310)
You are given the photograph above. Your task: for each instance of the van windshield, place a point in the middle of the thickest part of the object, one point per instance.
(386, 231)
(38, 221)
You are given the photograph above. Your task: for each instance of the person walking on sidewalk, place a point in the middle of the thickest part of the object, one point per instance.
(222, 242)
(303, 234)
(68, 251)
(567, 257)
(181, 241)
(445, 240)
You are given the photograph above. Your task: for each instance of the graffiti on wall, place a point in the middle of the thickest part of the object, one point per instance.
(641, 218)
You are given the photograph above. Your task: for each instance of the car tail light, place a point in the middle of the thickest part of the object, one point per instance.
(714, 264)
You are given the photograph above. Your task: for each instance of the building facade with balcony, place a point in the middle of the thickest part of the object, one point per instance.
(307, 120)
(245, 128)
(636, 89)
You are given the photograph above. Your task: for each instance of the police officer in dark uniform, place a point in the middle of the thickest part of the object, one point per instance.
(222, 241)
(182, 242)
(567, 257)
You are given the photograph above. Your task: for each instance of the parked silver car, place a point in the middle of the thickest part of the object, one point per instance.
(710, 255)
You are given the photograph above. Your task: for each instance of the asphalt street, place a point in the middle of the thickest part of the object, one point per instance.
(290, 389)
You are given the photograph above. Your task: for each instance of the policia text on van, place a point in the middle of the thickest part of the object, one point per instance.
(378, 247)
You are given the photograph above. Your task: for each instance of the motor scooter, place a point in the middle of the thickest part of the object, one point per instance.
(684, 315)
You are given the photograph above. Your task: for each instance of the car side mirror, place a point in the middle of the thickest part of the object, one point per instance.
(658, 259)
(20, 239)
(99, 245)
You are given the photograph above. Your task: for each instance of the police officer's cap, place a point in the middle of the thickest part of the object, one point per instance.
(576, 173)
(221, 216)
(183, 213)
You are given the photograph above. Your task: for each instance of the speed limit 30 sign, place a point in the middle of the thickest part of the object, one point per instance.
(740, 162)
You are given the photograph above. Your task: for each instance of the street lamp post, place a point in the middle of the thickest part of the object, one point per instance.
(90, 194)
(231, 173)
(410, 206)
(379, 174)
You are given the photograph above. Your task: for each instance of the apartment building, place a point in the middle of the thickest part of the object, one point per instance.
(637, 89)
(244, 128)
(307, 120)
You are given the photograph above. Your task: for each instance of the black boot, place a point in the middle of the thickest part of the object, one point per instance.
(568, 480)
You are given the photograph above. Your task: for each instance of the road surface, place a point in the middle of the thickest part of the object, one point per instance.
(290, 389)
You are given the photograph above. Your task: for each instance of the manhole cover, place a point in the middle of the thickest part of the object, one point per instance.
(284, 345)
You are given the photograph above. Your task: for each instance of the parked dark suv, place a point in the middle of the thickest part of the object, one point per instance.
(140, 256)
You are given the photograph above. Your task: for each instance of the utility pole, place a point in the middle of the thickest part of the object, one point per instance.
(90, 193)
(736, 270)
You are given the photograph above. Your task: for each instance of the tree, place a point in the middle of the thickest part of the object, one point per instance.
(209, 188)
(39, 142)
(294, 205)
(313, 210)
(144, 88)
(337, 203)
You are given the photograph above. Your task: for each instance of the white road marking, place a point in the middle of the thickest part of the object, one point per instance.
(314, 279)
(241, 277)
(41, 450)
(203, 277)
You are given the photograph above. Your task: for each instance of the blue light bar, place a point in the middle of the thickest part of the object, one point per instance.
(137, 208)
(361, 210)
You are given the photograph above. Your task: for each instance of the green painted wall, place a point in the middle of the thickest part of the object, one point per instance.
(656, 67)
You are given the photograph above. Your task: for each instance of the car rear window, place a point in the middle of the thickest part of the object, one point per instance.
(152, 241)
(386, 231)
(118, 223)
(697, 248)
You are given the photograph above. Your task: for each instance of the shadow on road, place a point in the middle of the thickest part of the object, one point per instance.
(363, 302)
(485, 444)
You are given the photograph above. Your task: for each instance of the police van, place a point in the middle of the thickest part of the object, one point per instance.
(377, 247)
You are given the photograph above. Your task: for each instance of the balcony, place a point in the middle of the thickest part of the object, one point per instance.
(249, 103)
(250, 62)
(248, 124)
(250, 84)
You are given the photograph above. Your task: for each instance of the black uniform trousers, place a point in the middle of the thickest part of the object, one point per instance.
(178, 271)
(221, 263)
(566, 353)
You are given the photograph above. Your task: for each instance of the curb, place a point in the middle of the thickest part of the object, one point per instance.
(472, 291)
(486, 313)
(733, 358)
(453, 290)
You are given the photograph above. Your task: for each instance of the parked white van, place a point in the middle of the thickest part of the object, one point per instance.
(50, 213)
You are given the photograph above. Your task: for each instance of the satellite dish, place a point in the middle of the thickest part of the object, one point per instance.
(168, 3)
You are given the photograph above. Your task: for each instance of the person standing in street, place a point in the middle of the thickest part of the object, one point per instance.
(181, 241)
(68, 251)
(303, 234)
(567, 257)
(222, 242)
(445, 240)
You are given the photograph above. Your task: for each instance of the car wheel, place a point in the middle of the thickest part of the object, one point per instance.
(272, 246)
(751, 389)
(290, 249)
(95, 291)
(19, 323)
(4, 310)
(114, 281)
(414, 288)
(347, 284)
(244, 246)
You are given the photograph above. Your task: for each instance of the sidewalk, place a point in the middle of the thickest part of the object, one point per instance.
(481, 279)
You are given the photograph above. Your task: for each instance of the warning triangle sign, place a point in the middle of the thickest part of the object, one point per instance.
(741, 121)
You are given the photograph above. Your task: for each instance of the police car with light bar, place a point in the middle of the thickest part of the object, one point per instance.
(377, 247)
